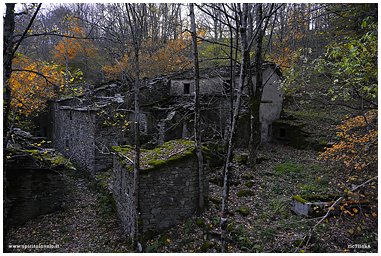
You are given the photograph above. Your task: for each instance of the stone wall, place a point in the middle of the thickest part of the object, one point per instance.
(74, 132)
(216, 114)
(31, 190)
(167, 194)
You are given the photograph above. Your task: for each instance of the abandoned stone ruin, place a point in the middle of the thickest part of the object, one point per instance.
(168, 190)
(33, 183)
(90, 130)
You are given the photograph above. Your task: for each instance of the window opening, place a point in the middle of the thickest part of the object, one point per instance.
(186, 88)
(282, 132)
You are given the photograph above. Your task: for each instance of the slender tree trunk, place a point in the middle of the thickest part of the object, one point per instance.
(255, 98)
(197, 120)
(165, 23)
(9, 26)
(136, 42)
(9, 50)
(229, 154)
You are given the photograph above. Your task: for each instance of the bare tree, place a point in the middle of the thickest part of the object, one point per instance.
(229, 154)
(197, 121)
(256, 95)
(136, 37)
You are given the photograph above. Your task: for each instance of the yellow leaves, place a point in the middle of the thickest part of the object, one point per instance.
(30, 90)
(357, 147)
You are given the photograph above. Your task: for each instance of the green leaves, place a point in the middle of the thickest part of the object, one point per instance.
(353, 65)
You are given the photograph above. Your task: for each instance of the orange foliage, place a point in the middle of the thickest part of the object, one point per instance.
(30, 90)
(154, 59)
(283, 48)
(68, 48)
(357, 147)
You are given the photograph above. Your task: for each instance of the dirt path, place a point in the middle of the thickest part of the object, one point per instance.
(84, 226)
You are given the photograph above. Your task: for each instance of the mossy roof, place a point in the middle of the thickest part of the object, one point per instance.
(47, 155)
(168, 152)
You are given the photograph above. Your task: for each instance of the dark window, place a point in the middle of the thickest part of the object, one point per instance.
(67, 143)
(186, 88)
(71, 115)
(282, 132)
(270, 130)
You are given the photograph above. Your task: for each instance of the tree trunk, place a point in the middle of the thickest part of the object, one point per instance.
(197, 120)
(229, 154)
(136, 42)
(9, 25)
(8, 44)
(256, 96)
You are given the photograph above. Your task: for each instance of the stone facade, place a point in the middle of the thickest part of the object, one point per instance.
(167, 194)
(74, 132)
(214, 88)
(79, 128)
(86, 127)
(33, 187)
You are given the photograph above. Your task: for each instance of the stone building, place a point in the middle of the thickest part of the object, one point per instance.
(215, 92)
(168, 187)
(85, 127)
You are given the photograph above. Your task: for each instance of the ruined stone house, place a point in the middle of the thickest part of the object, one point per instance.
(168, 187)
(85, 127)
(216, 103)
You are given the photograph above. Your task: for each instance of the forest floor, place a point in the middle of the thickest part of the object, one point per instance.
(260, 219)
(89, 224)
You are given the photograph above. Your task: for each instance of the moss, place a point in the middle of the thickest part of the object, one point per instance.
(206, 245)
(249, 184)
(162, 155)
(242, 159)
(247, 176)
(242, 192)
(316, 198)
(216, 202)
(244, 211)
(300, 199)
(200, 222)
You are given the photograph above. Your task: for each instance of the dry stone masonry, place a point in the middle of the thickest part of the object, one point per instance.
(168, 190)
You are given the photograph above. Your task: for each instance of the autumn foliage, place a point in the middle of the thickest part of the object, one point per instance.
(358, 146)
(284, 44)
(32, 83)
(72, 45)
(154, 58)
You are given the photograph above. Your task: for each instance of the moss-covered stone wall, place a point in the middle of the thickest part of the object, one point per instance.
(168, 191)
(33, 185)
